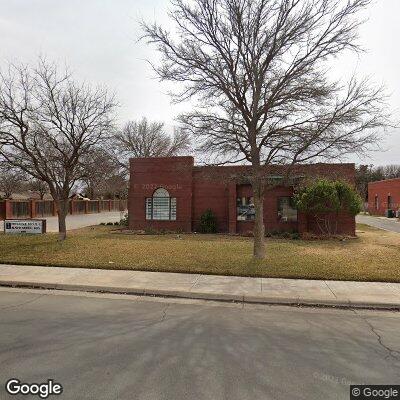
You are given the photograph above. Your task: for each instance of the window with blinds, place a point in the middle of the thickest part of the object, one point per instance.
(161, 207)
(287, 212)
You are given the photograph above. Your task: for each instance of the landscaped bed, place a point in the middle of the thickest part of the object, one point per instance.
(373, 255)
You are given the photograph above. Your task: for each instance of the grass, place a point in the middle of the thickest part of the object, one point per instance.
(373, 256)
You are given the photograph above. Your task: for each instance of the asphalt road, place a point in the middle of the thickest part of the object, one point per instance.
(389, 224)
(121, 347)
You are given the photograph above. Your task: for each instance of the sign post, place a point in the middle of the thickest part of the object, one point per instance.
(30, 226)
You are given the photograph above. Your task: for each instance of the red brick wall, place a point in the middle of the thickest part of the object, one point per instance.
(148, 174)
(342, 224)
(200, 188)
(383, 189)
(210, 194)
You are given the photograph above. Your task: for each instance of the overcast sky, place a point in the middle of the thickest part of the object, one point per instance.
(98, 40)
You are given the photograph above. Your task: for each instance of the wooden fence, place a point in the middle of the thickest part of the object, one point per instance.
(22, 209)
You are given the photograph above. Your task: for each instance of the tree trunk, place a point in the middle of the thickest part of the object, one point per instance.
(259, 229)
(62, 214)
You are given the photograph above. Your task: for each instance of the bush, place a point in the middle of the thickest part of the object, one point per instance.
(124, 221)
(110, 223)
(323, 197)
(208, 222)
(295, 236)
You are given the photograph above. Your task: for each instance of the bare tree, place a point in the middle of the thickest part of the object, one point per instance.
(11, 181)
(389, 171)
(116, 187)
(39, 187)
(102, 175)
(258, 70)
(48, 123)
(147, 139)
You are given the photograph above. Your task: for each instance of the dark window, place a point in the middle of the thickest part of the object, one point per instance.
(376, 202)
(390, 204)
(286, 209)
(245, 209)
(20, 208)
(161, 207)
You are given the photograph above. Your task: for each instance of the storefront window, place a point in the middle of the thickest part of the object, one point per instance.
(161, 207)
(245, 209)
(286, 210)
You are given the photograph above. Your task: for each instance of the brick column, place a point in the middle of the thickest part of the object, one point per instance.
(2, 210)
(72, 208)
(302, 222)
(8, 209)
(232, 207)
(86, 206)
(32, 205)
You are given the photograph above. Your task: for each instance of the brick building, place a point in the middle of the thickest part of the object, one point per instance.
(383, 196)
(172, 194)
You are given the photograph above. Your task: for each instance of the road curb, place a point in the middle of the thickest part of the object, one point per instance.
(222, 297)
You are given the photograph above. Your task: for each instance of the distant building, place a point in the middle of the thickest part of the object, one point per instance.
(384, 196)
(78, 196)
(172, 193)
(27, 196)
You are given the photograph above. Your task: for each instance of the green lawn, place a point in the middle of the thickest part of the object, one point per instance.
(373, 255)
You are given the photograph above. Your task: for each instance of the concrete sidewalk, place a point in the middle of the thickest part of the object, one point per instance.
(194, 286)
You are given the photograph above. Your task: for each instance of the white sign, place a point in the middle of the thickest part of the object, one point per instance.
(33, 226)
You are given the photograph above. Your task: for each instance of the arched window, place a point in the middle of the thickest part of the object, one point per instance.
(161, 192)
(161, 207)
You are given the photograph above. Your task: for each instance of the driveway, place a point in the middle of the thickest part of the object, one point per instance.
(80, 221)
(107, 347)
(388, 224)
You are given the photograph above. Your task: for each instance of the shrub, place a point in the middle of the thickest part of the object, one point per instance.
(323, 197)
(110, 223)
(124, 220)
(295, 236)
(208, 222)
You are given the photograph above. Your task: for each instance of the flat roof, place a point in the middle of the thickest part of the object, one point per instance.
(384, 180)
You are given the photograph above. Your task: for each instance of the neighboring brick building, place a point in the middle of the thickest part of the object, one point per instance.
(383, 196)
(172, 194)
